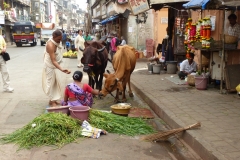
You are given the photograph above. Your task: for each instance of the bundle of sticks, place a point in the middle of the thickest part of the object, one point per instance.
(161, 136)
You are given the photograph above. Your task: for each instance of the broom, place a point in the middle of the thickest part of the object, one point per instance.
(161, 136)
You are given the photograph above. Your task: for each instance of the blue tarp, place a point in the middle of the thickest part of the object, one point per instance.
(105, 21)
(196, 4)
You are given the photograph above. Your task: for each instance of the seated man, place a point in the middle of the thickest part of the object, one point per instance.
(187, 66)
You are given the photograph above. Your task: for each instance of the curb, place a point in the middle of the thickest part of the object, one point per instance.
(188, 138)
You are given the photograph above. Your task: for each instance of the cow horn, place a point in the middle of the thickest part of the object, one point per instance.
(100, 50)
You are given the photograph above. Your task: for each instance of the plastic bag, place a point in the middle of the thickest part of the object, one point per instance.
(162, 59)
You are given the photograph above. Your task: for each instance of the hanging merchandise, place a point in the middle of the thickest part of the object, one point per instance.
(190, 37)
(197, 35)
(182, 26)
(177, 24)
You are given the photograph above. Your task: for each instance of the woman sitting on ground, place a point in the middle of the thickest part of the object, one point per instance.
(78, 93)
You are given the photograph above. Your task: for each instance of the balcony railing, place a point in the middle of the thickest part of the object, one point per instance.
(25, 2)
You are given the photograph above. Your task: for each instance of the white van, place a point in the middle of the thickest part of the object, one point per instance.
(45, 35)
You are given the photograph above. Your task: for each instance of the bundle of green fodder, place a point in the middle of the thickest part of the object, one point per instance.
(50, 129)
(119, 124)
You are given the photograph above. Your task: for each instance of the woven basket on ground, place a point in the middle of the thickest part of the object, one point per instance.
(191, 80)
(230, 39)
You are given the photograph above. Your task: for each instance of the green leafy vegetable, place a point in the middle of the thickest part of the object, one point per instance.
(47, 129)
(119, 124)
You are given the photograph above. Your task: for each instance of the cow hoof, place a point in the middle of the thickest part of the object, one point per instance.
(117, 101)
(124, 100)
(131, 95)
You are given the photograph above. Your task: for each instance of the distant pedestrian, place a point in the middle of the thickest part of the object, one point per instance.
(113, 46)
(87, 37)
(109, 38)
(64, 39)
(68, 44)
(123, 41)
(79, 46)
(97, 36)
(3, 67)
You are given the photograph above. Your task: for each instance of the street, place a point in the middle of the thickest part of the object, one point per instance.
(29, 101)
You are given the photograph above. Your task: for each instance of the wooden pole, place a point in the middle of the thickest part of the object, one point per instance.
(200, 54)
(223, 51)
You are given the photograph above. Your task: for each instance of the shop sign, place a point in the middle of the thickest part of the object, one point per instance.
(122, 1)
(164, 20)
(2, 17)
(13, 13)
(138, 6)
(38, 25)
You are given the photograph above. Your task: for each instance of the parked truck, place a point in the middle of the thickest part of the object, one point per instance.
(24, 32)
(46, 32)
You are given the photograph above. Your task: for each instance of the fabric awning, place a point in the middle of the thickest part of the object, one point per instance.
(196, 4)
(105, 21)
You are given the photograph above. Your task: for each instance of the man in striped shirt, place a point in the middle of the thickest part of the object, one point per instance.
(234, 28)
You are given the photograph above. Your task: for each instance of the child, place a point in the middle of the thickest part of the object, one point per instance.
(68, 44)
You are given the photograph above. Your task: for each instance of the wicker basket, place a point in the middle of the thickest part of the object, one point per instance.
(191, 80)
(230, 39)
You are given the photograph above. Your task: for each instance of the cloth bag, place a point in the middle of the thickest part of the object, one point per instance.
(5, 56)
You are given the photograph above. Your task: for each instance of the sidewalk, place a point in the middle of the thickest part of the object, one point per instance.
(182, 105)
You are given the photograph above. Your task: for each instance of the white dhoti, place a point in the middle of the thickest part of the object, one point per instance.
(79, 43)
(50, 83)
(79, 57)
(50, 79)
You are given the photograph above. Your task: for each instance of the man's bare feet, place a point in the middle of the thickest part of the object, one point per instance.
(53, 103)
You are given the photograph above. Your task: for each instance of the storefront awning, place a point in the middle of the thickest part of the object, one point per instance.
(196, 4)
(105, 21)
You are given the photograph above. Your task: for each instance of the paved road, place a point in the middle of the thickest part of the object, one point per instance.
(28, 101)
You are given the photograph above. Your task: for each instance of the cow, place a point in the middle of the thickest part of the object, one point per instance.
(95, 59)
(124, 62)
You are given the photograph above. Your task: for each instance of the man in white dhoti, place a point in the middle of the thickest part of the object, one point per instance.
(52, 60)
(79, 46)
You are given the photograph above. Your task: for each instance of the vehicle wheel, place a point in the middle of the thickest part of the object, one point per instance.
(18, 45)
(41, 44)
(32, 44)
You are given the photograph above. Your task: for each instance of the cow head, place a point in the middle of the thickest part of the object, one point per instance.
(111, 84)
(91, 55)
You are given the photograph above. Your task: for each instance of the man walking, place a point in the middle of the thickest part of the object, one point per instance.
(3, 67)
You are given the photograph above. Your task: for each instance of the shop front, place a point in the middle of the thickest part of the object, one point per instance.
(172, 44)
(207, 36)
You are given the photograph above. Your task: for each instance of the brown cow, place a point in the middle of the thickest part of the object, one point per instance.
(124, 62)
